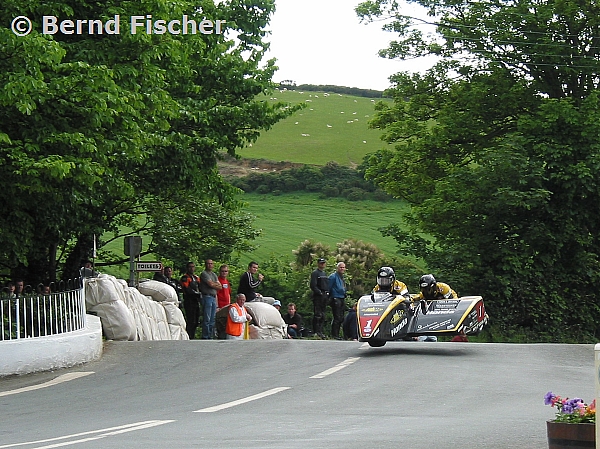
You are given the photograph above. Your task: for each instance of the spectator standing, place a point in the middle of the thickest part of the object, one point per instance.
(250, 281)
(277, 304)
(160, 276)
(209, 286)
(237, 318)
(350, 325)
(223, 295)
(319, 284)
(19, 287)
(190, 284)
(173, 282)
(337, 294)
(294, 321)
(10, 289)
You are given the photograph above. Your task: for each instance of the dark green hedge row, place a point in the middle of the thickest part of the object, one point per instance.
(354, 91)
(330, 180)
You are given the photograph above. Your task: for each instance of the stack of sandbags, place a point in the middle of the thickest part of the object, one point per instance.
(267, 322)
(150, 317)
(166, 296)
(104, 297)
(127, 314)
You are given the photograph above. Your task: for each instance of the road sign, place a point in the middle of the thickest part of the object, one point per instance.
(148, 266)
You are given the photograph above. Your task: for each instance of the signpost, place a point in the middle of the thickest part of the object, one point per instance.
(132, 248)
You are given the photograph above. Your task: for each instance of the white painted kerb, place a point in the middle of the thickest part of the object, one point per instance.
(30, 355)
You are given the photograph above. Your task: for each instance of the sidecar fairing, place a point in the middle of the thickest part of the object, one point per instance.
(385, 317)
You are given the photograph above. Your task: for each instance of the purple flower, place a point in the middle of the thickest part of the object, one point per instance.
(549, 398)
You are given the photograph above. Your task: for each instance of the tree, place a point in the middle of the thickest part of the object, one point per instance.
(102, 131)
(308, 251)
(362, 261)
(497, 150)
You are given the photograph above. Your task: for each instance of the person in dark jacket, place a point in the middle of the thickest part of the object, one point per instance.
(190, 284)
(350, 325)
(294, 321)
(250, 281)
(319, 284)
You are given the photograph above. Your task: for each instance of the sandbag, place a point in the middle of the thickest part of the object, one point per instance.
(174, 314)
(267, 322)
(101, 290)
(264, 314)
(266, 333)
(159, 291)
(267, 299)
(117, 321)
(178, 332)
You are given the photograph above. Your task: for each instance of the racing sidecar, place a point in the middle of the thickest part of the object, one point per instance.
(384, 317)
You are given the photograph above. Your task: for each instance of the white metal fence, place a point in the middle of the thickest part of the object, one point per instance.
(34, 315)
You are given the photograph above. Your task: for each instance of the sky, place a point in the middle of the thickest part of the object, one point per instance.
(323, 42)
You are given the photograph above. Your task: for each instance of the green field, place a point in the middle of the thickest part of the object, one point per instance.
(287, 220)
(332, 127)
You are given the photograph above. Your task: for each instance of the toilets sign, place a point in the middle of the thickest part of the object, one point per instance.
(148, 266)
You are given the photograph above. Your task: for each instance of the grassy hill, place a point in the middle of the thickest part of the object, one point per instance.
(287, 220)
(332, 127)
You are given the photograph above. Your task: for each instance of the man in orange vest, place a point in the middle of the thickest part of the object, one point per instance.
(238, 316)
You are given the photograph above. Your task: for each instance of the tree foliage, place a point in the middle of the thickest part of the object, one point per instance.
(308, 252)
(102, 131)
(498, 151)
(331, 180)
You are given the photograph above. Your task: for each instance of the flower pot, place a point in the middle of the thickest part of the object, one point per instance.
(566, 435)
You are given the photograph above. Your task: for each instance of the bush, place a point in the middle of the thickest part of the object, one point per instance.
(330, 192)
(380, 195)
(263, 189)
(355, 194)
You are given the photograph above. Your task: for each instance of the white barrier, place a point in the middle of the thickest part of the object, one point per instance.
(29, 355)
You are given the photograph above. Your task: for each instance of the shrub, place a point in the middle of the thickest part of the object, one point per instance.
(263, 189)
(355, 194)
(308, 251)
(330, 192)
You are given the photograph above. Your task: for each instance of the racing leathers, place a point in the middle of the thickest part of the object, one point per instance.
(398, 288)
(442, 291)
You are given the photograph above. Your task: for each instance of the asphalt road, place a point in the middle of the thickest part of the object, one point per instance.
(296, 394)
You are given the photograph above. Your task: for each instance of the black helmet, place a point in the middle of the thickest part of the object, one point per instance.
(428, 286)
(386, 278)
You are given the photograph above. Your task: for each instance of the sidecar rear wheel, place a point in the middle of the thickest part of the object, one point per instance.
(376, 343)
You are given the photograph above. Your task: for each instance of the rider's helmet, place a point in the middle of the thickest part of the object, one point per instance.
(386, 278)
(428, 286)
